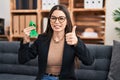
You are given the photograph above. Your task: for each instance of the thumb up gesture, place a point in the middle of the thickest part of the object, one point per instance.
(71, 37)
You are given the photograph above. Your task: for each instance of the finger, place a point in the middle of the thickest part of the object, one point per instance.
(27, 32)
(73, 29)
(69, 40)
(70, 43)
(69, 34)
(70, 37)
(30, 28)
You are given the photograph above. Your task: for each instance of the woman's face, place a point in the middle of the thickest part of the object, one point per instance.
(58, 21)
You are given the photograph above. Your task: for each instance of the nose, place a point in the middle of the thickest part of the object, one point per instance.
(57, 21)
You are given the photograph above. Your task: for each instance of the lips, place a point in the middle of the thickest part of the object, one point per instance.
(56, 27)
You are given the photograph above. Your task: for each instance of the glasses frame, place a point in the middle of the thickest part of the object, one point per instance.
(59, 19)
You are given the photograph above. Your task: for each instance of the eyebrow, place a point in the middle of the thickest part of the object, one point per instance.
(59, 16)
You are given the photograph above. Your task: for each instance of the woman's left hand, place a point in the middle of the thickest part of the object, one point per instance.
(71, 37)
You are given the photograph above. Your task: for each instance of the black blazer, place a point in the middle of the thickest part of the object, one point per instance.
(40, 47)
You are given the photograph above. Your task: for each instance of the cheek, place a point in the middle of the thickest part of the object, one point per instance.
(64, 24)
(51, 24)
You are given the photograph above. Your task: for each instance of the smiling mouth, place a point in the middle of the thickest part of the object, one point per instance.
(57, 27)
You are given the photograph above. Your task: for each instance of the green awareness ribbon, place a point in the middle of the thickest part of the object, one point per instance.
(33, 33)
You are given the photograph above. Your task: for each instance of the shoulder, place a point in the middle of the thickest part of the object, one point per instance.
(43, 37)
(80, 40)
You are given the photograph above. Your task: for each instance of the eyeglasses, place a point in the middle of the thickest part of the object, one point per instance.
(61, 19)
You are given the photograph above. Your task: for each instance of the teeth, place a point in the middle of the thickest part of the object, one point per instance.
(57, 26)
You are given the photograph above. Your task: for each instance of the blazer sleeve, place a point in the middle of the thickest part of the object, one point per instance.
(27, 52)
(83, 53)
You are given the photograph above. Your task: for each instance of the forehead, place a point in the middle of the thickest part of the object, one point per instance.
(58, 13)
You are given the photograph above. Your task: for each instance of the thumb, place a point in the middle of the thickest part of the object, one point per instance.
(73, 29)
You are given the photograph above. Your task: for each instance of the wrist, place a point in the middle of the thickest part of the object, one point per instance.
(76, 42)
(26, 40)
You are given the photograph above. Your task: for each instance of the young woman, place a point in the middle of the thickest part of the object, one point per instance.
(56, 48)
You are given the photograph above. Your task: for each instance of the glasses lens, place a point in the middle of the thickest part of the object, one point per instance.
(53, 19)
(61, 19)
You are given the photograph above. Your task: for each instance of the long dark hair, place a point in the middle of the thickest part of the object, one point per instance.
(69, 26)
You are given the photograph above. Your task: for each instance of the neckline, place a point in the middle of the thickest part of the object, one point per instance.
(57, 41)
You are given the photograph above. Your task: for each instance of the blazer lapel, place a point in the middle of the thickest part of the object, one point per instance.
(65, 52)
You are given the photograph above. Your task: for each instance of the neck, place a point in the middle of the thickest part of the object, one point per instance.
(57, 37)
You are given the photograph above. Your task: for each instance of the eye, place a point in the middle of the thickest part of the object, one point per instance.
(61, 18)
(53, 18)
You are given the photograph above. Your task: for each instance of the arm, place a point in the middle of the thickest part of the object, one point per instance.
(27, 52)
(83, 53)
(80, 48)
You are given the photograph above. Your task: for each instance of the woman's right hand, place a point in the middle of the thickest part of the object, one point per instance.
(27, 34)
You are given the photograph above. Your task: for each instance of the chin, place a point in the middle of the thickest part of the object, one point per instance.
(57, 30)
